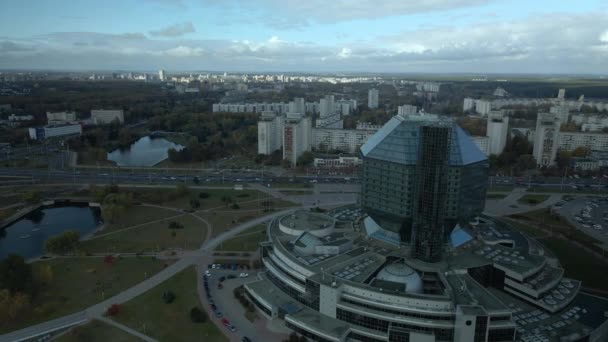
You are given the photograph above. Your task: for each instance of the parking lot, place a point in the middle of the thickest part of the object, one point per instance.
(588, 214)
(225, 309)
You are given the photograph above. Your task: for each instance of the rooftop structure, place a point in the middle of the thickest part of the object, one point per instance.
(330, 282)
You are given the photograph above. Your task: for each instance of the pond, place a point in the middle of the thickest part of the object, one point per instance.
(26, 237)
(146, 151)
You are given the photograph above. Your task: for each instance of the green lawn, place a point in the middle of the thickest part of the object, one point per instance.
(151, 237)
(247, 241)
(78, 283)
(135, 215)
(214, 199)
(579, 264)
(291, 185)
(224, 220)
(496, 195)
(169, 322)
(96, 331)
(296, 192)
(500, 188)
(532, 199)
(568, 189)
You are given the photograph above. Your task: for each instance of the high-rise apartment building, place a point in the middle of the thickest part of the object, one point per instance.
(372, 98)
(326, 106)
(497, 129)
(270, 133)
(297, 136)
(546, 139)
(297, 106)
(161, 75)
(407, 110)
(483, 107)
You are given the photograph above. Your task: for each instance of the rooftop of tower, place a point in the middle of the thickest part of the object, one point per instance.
(397, 141)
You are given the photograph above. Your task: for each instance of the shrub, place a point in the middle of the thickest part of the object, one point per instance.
(66, 242)
(195, 204)
(168, 297)
(113, 310)
(203, 195)
(197, 316)
(175, 225)
(235, 206)
(242, 195)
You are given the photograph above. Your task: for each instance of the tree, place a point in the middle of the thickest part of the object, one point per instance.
(108, 259)
(203, 195)
(286, 164)
(235, 206)
(526, 162)
(13, 306)
(175, 225)
(181, 190)
(305, 159)
(125, 137)
(197, 315)
(31, 197)
(15, 274)
(116, 204)
(580, 151)
(45, 274)
(168, 297)
(195, 204)
(63, 243)
(113, 310)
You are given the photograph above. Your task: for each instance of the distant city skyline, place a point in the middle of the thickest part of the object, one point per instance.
(439, 36)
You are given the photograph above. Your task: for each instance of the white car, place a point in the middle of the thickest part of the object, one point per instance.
(243, 275)
(207, 273)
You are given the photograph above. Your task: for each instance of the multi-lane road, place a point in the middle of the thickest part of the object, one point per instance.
(231, 177)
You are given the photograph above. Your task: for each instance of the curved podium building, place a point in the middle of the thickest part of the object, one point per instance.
(417, 261)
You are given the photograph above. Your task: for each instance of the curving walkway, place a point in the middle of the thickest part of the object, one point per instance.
(96, 311)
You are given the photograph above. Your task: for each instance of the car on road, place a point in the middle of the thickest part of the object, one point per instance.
(232, 328)
(220, 286)
(218, 314)
(222, 278)
(225, 322)
(207, 273)
(243, 275)
(246, 339)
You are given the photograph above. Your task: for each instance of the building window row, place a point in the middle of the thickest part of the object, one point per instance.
(400, 312)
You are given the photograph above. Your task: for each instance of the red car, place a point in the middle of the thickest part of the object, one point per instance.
(225, 322)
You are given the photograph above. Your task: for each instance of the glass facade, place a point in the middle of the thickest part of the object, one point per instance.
(391, 177)
(430, 196)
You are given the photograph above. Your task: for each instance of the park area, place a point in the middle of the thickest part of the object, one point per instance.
(155, 316)
(68, 285)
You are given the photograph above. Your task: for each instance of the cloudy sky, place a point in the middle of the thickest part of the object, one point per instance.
(470, 36)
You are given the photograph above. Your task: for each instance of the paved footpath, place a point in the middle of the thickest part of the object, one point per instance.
(97, 310)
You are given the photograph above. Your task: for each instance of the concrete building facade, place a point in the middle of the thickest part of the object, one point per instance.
(107, 116)
(373, 98)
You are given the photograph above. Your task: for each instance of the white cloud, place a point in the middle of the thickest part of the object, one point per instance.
(294, 13)
(549, 43)
(184, 51)
(345, 53)
(175, 30)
